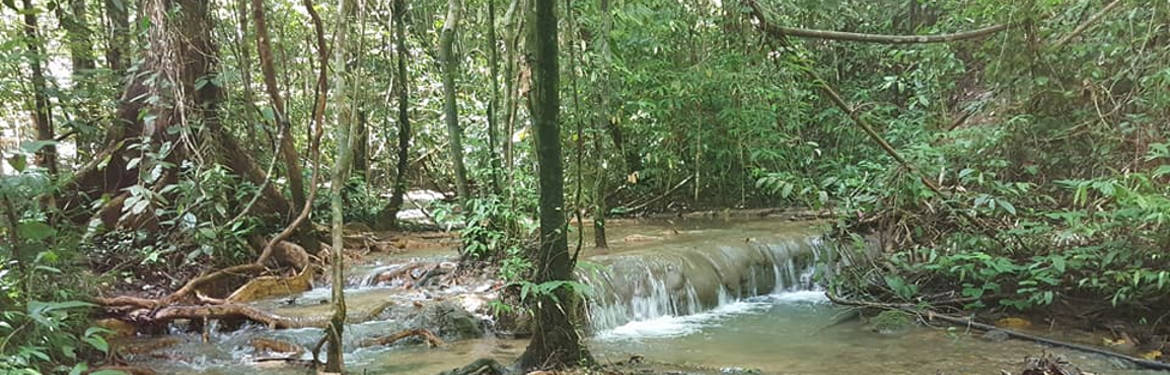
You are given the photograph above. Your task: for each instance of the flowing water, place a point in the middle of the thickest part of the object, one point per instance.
(713, 294)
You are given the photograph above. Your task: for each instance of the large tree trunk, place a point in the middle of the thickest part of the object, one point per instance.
(556, 342)
(288, 151)
(450, 106)
(46, 156)
(389, 214)
(181, 53)
(601, 122)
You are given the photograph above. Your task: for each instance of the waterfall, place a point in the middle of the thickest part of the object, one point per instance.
(678, 281)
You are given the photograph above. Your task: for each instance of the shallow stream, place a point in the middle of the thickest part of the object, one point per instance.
(714, 295)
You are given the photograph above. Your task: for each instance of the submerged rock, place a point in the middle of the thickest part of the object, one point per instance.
(448, 319)
(995, 336)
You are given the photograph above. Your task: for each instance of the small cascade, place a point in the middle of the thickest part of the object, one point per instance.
(666, 281)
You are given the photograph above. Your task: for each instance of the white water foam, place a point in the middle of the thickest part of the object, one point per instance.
(677, 326)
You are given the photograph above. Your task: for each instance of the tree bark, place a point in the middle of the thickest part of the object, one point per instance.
(288, 151)
(450, 106)
(556, 342)
(511, 81)
(76, 25)
(389, 214)
(118, 18)
(46, 156)
(601, 122)
(361, 147)
(346, 125)
(493, 102)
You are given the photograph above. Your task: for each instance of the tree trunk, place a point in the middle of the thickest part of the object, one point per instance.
(118, 24)
(361, 147)
(46, 156)
(389, 214)
(450, 106)
(511, 82)
(181, 53)
(346, 125)
(76, 25)
(601, 122)
(556, 343)
(493, 102)
(288, 151)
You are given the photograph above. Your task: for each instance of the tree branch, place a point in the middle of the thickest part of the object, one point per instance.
(875, 38)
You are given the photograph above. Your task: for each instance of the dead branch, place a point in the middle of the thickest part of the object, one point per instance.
(877, 38)
(663, 195)
(1085, 25)
(428, 336)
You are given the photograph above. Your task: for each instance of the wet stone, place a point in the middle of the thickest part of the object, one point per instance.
(449, 320)
(995, 336)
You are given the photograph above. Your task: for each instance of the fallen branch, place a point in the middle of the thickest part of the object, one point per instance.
(1085, 25)
(663, 195)
(970, 323)
(879, 38)
(230, 311)
(424, 334)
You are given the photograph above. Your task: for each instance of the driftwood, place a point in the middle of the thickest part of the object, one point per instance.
(928, 314)
(428, 336)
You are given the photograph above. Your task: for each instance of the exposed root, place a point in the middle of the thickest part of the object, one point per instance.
(431, 339)
(225, 311)
(482, 366)
(262, 344)
(132, 370)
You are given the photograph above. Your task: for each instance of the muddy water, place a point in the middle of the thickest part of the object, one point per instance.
(715, 295)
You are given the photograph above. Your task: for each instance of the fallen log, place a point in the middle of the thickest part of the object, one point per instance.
(228, 311)
(970, 323)
(428, 336)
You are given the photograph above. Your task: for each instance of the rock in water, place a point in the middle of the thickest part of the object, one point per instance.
(996, 336)
(448, 320)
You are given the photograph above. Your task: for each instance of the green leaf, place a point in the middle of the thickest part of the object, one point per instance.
(33, 146)
(18, 162)
(35, 231)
